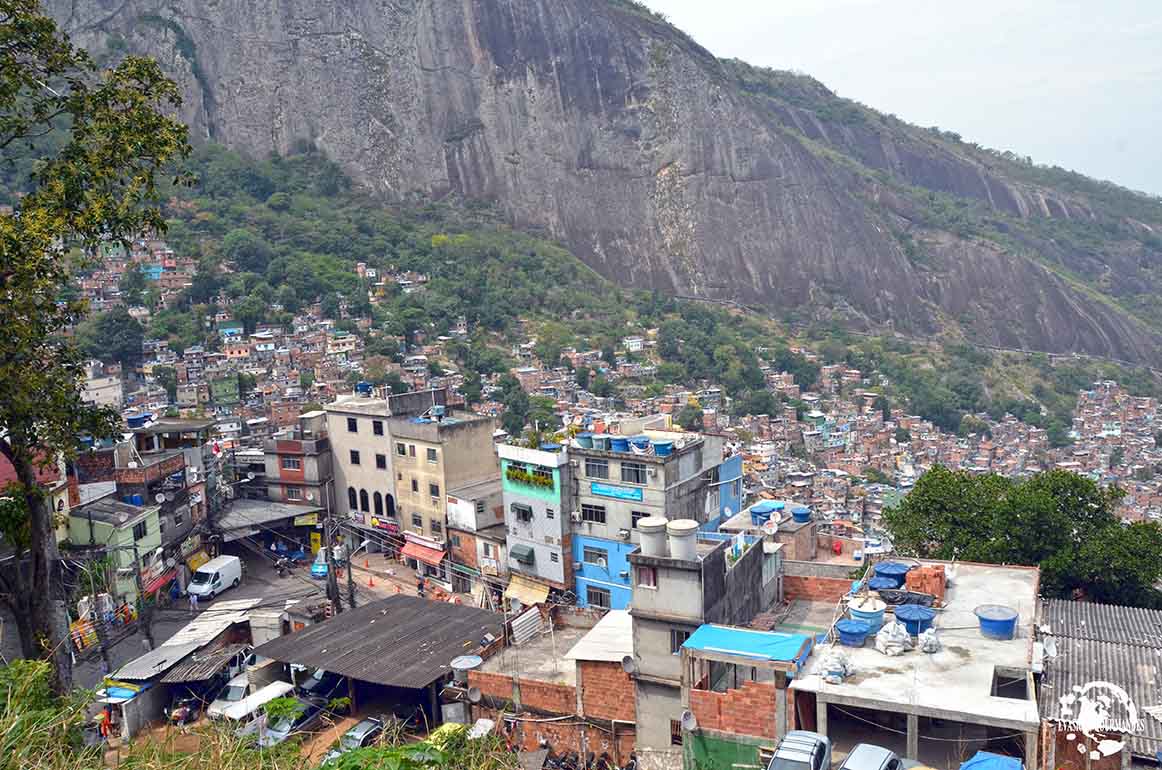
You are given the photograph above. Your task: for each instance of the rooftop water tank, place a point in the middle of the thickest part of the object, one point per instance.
(618, 444)
(663, 448)
(894, 570)
(462, 665)
(997, 621)
(585, 440)
(363, 388)
(801, 513)
(653, 535)
(683, 539)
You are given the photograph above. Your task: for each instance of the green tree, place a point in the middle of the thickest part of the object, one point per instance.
(903, 435)
(250, 311)
(97, 183)
(246, 384)
(247, 250)
(133, 284)
(601, 387)
(112, 336)
(583, 374)
(1117, 456)
(473, 388)
(690, 417)
(167, 377)
(516, 405)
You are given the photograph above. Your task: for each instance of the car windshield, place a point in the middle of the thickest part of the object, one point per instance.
(234, 692)
(201, 577)
(350, 741)
(314, 680)
(785, 763)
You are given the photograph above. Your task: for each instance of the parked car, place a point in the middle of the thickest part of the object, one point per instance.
(362, 734)
(215, 576)
(321, 686)
(866, 756)
(802, 750)
(236, 689)
(278, 730)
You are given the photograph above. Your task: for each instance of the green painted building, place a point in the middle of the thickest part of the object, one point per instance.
(224, 391)
(117, 527)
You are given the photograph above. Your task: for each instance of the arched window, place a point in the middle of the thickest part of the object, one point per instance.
(378, 500)
(351, 500)
(390, 505)
(363, 506)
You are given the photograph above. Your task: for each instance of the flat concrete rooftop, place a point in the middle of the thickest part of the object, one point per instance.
(955, 683)
(541, 658)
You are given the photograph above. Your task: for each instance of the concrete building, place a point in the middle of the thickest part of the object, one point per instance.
(681, 581)
(431, 455)
(299, 464)
(538, 500)
(130, 534)
(103, 386)
(476, 535)
(616, 488)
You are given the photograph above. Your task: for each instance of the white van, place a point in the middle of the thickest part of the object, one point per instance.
(215, 576)
(244, 711)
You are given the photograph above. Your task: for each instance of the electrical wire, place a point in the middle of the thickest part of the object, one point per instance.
(873, 723)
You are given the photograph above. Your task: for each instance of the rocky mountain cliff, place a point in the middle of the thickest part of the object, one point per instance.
(662, 166)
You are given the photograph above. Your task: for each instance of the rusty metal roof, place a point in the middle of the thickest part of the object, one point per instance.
(201, 666)
(401, 641)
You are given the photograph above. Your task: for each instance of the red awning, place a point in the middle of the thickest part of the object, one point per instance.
(427, 555)
(160, 580)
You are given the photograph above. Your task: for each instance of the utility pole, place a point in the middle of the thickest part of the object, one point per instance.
(99, 624)
(332, 581)
(146, 615)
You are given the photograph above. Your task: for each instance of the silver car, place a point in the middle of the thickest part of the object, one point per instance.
(362, 734)
(866, 756)
(802, 750)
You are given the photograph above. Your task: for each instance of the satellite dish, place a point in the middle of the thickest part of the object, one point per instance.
(474, 695)
(689, 723)
(250, 476)
(311, 496)
(628, 664)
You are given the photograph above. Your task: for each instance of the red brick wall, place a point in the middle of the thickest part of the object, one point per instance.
(607, 692)
(465, 553)
(818, 589)
(544, 696)
(748, 710)
(564, 736)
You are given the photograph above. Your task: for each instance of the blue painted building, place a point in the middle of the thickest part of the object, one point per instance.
(602, 578)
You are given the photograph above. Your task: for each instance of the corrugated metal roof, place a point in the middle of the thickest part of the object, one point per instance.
(156, 661)
(401, 641)
(1136, 669)
(202, 666)
(610, 640)
(1104, 622)
(212, 621)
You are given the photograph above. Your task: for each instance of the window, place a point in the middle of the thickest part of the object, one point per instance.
(292, 463)
(545, 475)
(139, 531)
(554, 557)
(437, 528)
(411, 450)
(363, 506)
(415, 486)
(294, 493)
(455, 540)
(647, 577)
(593, 513)
(433, 490)
(597, 597)
(381, 462)
(479, 507)
(401, 450)
(431, 455)
(550, 513)
(488, 550)
(675, 732)
(417, 520)
(354, 456)
(522, 512)
(598, 557)
(377, 427)
(352, 425)
(377, 500)
(678, 637)
(352, 500)
(596, 469)
(633, 473)
(637, 516)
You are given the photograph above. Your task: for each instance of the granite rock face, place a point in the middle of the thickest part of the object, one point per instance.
(622, 138)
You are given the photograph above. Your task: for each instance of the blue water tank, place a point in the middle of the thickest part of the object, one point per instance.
(663, 448)
(138, 500)
(363, 387)
(852, 633)
(997, 621)
(585, 440)
(618, 444)
(916, 619)
(801, 514)
(894, 570)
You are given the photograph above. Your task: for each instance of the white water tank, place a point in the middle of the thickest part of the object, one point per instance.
(683, 536)
(653, 535)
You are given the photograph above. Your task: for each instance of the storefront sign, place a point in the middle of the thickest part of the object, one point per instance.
(307, 520)
(197, 560)
(617, 493)
(385, 524)
(316, 541)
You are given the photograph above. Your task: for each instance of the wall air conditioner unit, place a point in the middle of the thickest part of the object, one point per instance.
(623, 534)
(577, 565)
(624, 574)
(575, 517)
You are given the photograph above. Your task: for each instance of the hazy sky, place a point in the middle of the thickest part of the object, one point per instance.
(1076, 84)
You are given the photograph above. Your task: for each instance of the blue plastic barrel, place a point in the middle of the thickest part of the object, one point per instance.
(765, 506)
(601, 441)
(663, 448)
(618, 444)
(852, 633)
(997, 621)
(550, 447)
(869, 611)
(641, 442)
(585, 440)
(758, 518)
(916, 619)
(801, 513)
(138, 500)
(894, 570)
(882, 583)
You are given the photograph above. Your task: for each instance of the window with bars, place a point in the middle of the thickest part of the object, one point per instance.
(593, 513)
(598, 597)
(633, 473)
(292, 463)
(637, 516)
(596, 469)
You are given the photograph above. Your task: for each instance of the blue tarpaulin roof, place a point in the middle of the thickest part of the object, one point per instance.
(760, 645)
(985, 760)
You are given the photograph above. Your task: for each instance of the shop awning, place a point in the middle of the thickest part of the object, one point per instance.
(422, 553)
(522, 553)
(526, 591)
